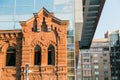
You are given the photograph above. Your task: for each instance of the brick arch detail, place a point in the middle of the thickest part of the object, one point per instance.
(41, 44)
(52, 43)
(37, 42)
(6, 45)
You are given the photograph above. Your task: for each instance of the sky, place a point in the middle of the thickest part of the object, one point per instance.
(110, 18)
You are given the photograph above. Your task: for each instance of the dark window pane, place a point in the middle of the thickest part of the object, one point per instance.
(11, 56)
(94, 2)
(51, 55)
(37, 55)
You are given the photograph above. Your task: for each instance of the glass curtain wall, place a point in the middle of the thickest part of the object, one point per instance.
(64, 9)
(13, 11)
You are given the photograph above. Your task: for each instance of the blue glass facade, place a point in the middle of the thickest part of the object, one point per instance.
(13, 11)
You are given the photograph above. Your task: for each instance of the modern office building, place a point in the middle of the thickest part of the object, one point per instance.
(83, 16)
(114, 45)
(95, 62)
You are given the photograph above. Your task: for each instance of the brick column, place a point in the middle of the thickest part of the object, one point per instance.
(26, 45)
(62, 55)
(26, 52)
(44, 56)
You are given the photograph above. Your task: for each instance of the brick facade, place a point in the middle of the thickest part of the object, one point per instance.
(43, 30)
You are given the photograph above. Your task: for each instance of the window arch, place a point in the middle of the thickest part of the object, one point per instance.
(37, 55)
(51, 55)
(11, 56)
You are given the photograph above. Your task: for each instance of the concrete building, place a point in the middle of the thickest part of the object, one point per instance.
(104, 58)
(114, 45)
(95, 62)
(86, 65)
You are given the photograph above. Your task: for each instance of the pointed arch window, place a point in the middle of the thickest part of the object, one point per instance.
(51, 55)
(11, 56)
(37, 55)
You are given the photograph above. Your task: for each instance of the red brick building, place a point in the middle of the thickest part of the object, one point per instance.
(40, 44)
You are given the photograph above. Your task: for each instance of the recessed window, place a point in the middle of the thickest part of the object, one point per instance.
(95, 61)
(93, 9)
(11, 56)
(44, 25)
(104, 60)
(96, 73)
(34, 25)
(70, 55)
(95, 55)
(37, 55)
(51, 55)
(96, 66)
(70, 63)
(106, 49)
(90, 19)
(71, 77)
(92, 14)
(96, 78)
(78, 73)
(70, 39)
(86, 55)
(89, 24)
(106, 73)
(106, 67)
(106, 78)
(71, 71)
(104, 54)
(95, 2)
(86, 66)
(86, 60)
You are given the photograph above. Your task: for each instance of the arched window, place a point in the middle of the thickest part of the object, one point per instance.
(51, 55)
(37, 55)
(11, 56)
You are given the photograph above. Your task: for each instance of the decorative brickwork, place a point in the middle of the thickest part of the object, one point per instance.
(43, 30)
